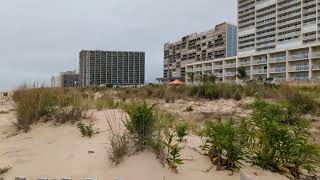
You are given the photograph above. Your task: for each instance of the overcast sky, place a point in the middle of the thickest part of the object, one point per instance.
(41, 37)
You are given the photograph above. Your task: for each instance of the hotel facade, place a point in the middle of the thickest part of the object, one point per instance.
(277, 39)
(121, 68)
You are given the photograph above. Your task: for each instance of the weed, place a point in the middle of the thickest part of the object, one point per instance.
(182, 130)
(189, 109)
(141, 123)
(223, 145)
(86, 130)
(119, 147)
(105, 102)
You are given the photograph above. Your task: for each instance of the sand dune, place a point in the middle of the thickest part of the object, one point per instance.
(60, 151)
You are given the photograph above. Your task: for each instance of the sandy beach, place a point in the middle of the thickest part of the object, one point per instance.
(60, 151)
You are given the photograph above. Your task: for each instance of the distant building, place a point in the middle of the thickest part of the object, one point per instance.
(65, 79)
(219, 42)
(111, 68)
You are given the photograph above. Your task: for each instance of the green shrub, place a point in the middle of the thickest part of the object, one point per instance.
(86, 130)
(174, 159)
(141, 123)
(181, 130)
(223, 144)
(304, 103)
(280, 142)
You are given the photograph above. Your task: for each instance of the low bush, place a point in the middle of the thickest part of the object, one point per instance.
(86, 130)
(223, 144)
(181, 130)
(140, 123)
(281, 143)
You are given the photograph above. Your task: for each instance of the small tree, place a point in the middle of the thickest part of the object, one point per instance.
(242, 74)
(191, 76)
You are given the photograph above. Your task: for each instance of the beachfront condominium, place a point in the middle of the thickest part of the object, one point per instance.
(111, 68)
(219, 42)
(278, 40)
(65, 79)
(266, 25)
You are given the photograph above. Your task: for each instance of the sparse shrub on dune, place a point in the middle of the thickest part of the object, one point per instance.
(281, 143)
(141, 123)
(181, 130)
(223, 144)
(86, 130)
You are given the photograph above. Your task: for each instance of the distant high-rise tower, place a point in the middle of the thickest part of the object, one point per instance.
(266, 25)
(111, 68)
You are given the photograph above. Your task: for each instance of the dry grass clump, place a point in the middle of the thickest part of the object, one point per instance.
(4, 112)
(5, 169)
(46, 104)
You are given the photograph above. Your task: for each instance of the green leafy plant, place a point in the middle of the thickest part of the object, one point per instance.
(222, 144)
(280, 142)
(86, 130)
(181, 130)
(141, 123)
(174, 159)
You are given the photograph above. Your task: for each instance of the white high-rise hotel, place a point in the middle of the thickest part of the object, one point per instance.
(278, 39)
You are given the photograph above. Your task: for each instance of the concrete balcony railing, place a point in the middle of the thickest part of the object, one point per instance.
(207, 68)
(197, 69)
(230, 74)
(261, 61)
(218, 74)
(300, 78)
(278, 70)
(315, 54)
(189, 70)
(299, 68)
(217, 66)
(231, 65)
(260, 71)
(298, 57)
(316, 67)
(277, 80)
(245, 63)
(278, 59)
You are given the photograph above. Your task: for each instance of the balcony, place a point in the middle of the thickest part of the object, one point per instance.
(300, 78)
(278, 80)
(278, 59)
(217, 66)
(230, 74)
(198, 69)
(260, 61)
(230, 65)
(189, 70)
(298, 57)
(316, 67)
(218, 74)
(245, 63)
(278, 70)
(260, 71)
(207, 68)
(315, 55)
(299, 68)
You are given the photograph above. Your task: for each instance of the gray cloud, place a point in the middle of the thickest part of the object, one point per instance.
(39, 38)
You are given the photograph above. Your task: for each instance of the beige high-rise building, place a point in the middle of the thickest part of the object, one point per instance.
(219, 42)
